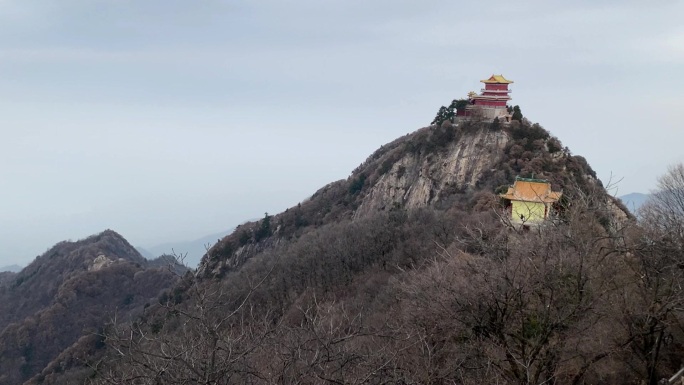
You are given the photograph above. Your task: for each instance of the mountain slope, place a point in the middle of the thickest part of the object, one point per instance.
(416, 180)
(369, 280)
(70, 291)
(442, 167)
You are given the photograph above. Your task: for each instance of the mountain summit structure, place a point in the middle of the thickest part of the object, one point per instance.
(492, 101)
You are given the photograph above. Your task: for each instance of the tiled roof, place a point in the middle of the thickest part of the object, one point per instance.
(497, 79)
(532, 191)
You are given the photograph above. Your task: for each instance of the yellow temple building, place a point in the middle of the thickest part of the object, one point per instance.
(531, 200)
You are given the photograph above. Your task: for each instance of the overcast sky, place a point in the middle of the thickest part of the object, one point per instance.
(169, 120)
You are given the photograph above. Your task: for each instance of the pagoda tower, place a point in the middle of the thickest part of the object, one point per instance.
(495, 93)
(491, 102)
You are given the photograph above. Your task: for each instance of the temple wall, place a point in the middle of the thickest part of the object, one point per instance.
(483, 112)
(523, 212)
(496, 86)
(493, 112)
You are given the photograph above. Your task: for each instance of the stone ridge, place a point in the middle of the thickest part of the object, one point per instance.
(417, 180)
(424, 168)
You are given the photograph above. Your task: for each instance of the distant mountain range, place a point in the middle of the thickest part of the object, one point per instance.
(190, 251)
(11, 268)
(634, 201)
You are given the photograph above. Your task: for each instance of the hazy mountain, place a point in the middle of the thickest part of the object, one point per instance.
(11, 268)
(146, 254)
(69, 292)
(634, 200)
(192, 251)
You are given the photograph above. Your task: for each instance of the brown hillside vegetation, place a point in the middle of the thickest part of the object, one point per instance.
(408, 272)
(443, 167)
(420, 297)
(64, 294)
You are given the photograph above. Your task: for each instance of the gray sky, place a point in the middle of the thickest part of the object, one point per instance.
(169, 120)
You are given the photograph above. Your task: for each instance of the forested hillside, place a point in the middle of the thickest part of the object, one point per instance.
(69, 292)
(410, 271)
(443, 167)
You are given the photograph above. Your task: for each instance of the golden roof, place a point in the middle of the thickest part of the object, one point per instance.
(497, 79)
(531, 190)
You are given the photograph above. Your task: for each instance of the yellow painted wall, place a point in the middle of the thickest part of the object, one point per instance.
(532, 211)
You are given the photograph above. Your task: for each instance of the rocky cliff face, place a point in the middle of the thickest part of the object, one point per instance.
(418, 179)
(427, 167)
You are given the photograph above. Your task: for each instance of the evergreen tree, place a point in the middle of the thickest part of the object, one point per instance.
(517, 114)
(442, 115)
(265, 228)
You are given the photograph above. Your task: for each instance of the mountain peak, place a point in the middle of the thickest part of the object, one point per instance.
(443, 166)
(82, 283)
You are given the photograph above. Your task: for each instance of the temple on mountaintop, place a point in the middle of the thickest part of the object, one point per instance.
(491, 102)
(495, 93)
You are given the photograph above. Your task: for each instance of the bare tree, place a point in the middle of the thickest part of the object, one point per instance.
(664, 211)
(534, 307)
(654, 300)
(199, 334)
(329, 342)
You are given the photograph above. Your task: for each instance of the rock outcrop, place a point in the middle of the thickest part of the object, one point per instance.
(417, 180)
(101, 262)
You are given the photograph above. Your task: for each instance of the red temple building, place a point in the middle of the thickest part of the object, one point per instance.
(495, 93)
(491, 102)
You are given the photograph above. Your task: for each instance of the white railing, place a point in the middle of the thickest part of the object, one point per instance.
(492, 96)
(499, 91)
